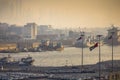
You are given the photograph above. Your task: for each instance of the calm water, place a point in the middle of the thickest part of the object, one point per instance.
(70, 56)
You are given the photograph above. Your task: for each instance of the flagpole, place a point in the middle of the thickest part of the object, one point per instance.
(99, 57)
(112, 50)
(82, 50)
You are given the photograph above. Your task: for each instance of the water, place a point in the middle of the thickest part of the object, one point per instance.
(70, 56)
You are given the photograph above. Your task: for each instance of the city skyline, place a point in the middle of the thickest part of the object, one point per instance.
(61, 13)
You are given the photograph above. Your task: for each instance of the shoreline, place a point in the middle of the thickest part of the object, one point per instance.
(58, 73)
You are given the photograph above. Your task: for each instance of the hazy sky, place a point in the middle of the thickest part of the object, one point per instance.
(61, 13)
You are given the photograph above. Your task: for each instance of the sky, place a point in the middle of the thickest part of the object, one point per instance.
(61, 13)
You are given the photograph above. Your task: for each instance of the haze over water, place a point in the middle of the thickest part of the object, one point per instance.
(70, 56)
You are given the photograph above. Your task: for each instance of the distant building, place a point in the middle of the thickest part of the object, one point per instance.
(16, 30)
(7, 33)
(47, 37)
(9, 37)
(45, 30)
(30, 31)
(4, 28)
(73, 35)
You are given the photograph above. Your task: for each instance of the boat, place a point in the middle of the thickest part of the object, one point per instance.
(87, 41)
(91, 40)
(114, 33)
(26, 61)
(10, 61)
(51, 46)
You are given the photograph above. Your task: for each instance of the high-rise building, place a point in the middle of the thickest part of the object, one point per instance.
(30, 31)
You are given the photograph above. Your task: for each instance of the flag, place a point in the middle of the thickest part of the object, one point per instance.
(94, 46)
(79, 38)
(110, 37)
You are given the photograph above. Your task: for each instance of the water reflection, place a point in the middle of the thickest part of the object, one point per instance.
(71, 54)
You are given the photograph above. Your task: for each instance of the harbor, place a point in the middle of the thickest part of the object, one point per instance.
(52, 60)
(69, 56)
(65, 65)
(59, 40)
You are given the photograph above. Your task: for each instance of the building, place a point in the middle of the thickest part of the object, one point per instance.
(10, 33)
(47, 37)
(30, 31)
(42, 29)
(4, 28)
(73, 34)
(45, 30)
(16, 30)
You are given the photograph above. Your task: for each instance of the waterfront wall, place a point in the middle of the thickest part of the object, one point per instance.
(28, 44)
(8, 46)
(17, 46)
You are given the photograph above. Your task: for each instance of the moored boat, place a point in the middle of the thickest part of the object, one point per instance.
(51, 46)
(10, 61)
(26, 61)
